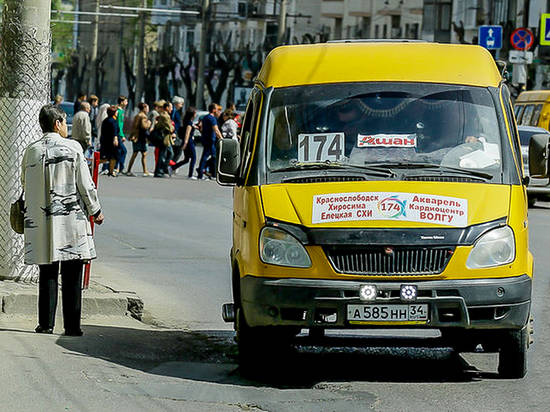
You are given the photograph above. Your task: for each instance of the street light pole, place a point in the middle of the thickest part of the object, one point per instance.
(24, 89)
(140, 80)
(95, 40)
(282, 23)
(199, 100)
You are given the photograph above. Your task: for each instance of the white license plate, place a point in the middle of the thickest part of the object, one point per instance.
(388, 313)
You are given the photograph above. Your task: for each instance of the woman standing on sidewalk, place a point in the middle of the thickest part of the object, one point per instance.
(59, 198)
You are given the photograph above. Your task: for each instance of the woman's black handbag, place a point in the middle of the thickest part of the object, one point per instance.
(156, 139)
(17, 215)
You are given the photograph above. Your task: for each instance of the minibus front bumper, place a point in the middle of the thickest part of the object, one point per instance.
(496, 303)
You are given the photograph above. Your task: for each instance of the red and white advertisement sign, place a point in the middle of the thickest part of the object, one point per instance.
(386, 140)
(410, 207)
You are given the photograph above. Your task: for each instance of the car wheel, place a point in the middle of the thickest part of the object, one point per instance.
(261, 348)
(531, 200)
(512, 361)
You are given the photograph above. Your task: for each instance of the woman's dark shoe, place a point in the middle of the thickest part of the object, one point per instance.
(75, 332)
(40, 329)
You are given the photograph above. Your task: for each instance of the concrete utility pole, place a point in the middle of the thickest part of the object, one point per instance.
(282, 23)
(24, 89)
(95, 40)
(140, 80)
(199, 100)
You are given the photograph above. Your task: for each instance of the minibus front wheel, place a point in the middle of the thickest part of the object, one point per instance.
(263, 347)
(512, 359)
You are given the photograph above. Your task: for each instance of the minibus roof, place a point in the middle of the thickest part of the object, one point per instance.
(533, 96)
(368, 61)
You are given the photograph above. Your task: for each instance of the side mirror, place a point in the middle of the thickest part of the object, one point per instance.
(538, 155)
(229, 159)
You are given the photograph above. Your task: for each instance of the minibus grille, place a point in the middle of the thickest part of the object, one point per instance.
(458, 179)
(387, 261)
(322, 179)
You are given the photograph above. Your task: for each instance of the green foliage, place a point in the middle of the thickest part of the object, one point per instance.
(62, 36)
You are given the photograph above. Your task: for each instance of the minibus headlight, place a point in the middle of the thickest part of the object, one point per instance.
(278, 247)
(495, 248)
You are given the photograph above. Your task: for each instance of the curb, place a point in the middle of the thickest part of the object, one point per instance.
(22, 299)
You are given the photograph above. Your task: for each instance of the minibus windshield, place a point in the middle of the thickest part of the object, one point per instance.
(403, 127)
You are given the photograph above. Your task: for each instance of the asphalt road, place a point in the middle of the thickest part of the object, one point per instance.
(169, 240)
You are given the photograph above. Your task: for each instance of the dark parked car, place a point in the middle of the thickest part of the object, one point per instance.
(538, 189)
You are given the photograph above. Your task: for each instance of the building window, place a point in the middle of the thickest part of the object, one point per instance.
(338, 29)
(385, 32)
(190, 39)
(395, 27)
(415, 31)
(376, 31)
(365, 27)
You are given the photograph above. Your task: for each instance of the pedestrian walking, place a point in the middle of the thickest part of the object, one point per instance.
(209, 134)
(177, 117)
(110, 139)
(121, 160)
(81, 98)
(58, 99)
(101, 115)
(139, 136)
(59, 197)
(230, 126)
(230, 106)
(165, 129)
(189, 152)
(82, 127)
(153, 117)
(153, 114)
(94, 110)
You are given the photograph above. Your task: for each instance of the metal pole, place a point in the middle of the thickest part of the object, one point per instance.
(24, 89)
(282, 23)
(75, 27)
(140, 81)
(199, 101)
(95, 40)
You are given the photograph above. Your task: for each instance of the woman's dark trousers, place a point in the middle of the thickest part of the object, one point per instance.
(71, 294)
(190, 156)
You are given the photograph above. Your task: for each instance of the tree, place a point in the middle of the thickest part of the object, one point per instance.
(220, 64)
(130, 76)
(187, 73)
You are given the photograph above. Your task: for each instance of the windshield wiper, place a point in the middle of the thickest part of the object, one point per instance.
(413, 165)
(373, 170)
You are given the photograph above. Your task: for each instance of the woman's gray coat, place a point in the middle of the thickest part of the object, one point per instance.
(59, 198)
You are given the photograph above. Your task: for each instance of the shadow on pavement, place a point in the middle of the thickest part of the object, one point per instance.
(211, 356)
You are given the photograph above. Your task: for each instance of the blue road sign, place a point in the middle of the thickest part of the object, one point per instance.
(490, 37)
(545, 29)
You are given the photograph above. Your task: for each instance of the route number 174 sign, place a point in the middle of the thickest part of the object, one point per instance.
(320, 147)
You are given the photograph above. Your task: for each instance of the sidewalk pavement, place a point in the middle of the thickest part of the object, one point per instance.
(21, 298)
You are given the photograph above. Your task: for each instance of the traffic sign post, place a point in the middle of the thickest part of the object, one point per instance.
(522, 39)
(545, 29)
(490, 37)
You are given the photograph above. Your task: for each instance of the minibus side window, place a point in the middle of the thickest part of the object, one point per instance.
(527, 114)
(517, 109)
(519, 113)
(248, 138)
(536, 115)
(513, 128)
